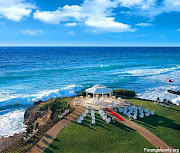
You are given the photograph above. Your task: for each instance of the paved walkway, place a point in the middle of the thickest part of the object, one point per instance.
(52, 133)
(153, 139)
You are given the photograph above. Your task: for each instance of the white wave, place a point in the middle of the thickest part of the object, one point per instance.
(146, 72)
(42, 95)
(174, 75)
(103, 65)
(11, 123)
(161, 92)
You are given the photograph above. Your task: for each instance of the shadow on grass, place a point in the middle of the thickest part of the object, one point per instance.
(173, 109)
(48, 151)
(101, 123)
(157, 120)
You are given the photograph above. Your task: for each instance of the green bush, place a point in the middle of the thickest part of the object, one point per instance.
(82, 93)
(55, 105)
(124, 93)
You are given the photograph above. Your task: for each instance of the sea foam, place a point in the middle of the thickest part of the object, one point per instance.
(68, 91)
(11, 121)
(149, 72)
(161, 92)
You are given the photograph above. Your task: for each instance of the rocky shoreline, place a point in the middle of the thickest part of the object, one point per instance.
(45, 113)
(6, 142)
(174, 92)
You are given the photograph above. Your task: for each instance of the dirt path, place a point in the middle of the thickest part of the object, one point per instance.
(153, 139)
(52, 133)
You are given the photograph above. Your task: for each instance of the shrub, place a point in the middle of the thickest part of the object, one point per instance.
(82, 93)
(124, 93)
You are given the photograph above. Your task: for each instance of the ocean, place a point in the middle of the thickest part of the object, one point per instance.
(28, 74)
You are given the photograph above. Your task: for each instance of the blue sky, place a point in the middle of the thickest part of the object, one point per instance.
(90, 23)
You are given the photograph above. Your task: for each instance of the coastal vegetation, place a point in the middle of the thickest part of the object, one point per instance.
(117, 92)
(124, 93)
(101, 137)
(36, 130)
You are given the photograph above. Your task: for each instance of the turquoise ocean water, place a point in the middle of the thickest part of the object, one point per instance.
(28, 74)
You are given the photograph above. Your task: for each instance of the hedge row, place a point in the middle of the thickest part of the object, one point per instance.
(124, 93)
(116, 92)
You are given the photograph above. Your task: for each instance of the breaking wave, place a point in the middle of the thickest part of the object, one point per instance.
(68, 91)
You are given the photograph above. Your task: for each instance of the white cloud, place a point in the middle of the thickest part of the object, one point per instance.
(15, 9)
(178, 29)
(150, 8)
(62, 14)
(92, 13)
(98, 14)
(108, 24)
(32, 32)
(143, 24)
(72, 24)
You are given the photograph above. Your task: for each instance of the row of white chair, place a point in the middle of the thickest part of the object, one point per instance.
(133, 109)
(104, 116)
(81, 118)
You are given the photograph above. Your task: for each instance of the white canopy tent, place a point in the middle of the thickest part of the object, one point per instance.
(99, 89)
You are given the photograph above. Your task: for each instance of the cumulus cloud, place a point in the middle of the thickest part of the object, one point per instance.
(92, 13)
(143, 24)
(72, 24)
(32, 32)
(150, 8)
(100, 15)
(15, 9)
(108, 24)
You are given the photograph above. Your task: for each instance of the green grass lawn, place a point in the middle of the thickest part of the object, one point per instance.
(101, 137)
(165, 123)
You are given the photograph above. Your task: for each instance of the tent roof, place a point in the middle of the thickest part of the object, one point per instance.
(98, 89)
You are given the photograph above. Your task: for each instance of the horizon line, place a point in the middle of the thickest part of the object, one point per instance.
(83, 46)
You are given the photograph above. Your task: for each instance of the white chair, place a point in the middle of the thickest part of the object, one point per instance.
(141, 111)
(92, 111)
(139, 107)
(135, 117)
(141, 115)
(147, 114)
(124, 112)
(79, 121)
(129, 107)
(104, 117)
(128, 114)
(146, 110)
(152, 112)
(135, 113)
(108, 120)
(86, 111)
(93, 121)
(93, 117)
(120, 110)
(81, 117)
(130, 110)
(135, 109)
(84, 114)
